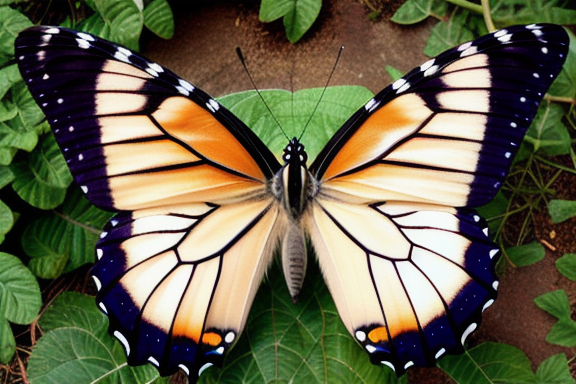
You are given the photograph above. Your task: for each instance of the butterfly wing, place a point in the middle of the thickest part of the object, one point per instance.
(178, 267)
(409, 264)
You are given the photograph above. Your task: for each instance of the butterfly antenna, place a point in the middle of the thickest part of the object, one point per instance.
(323, 91)
(241, 57)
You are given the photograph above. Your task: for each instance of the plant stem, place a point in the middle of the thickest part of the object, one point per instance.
(560, 99)
(487, 16)
(467, 5)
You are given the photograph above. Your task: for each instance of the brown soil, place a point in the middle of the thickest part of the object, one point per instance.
(203, 52)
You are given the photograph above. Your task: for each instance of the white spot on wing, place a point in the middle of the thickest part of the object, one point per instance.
(488, 303)
(440, 353)
(424, 67)
(103, 234)
(99, 253)
(230, 336)
(103, 307)
(469, 51)
(467, 332)
(52, 31)
(537, 33)
(500, 33)
(464, 46)
(156, 68)
(97, 282)
(124, 341)
(505, 38)
(154, 361)
(186, 85)
(219, 351)
(495, 285)
(398, 83)
(403, 88)
(360, 336)
(83, 43)
(185, 369)
(85, 36)
(544, 50)
(45, 77)
(370, 348)
(369, 104)
(84, 188)
(389, 364)
(408, 364)
(60, 101)
(213, 105)
(431, 71)
(204, 367)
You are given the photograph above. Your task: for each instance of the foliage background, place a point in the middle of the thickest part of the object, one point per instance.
(48, 229)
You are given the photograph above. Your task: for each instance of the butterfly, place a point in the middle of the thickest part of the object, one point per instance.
(203, 204)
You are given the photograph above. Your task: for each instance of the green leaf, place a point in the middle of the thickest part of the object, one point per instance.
(561, 210)
(11, 23)
(7, 342)
(6, 176)
(65, 239)
(159, 19)
(564, 331)
(6, 220)
(20, 299)
(294, 110)
(445, 35)
(489, 363)
(8, 77)
(77, 346)
(555, 370)
(547, 133)
(30, 113)
(74, 309)
(494, 211)
(299, 15)
(122, 19)
(7, 154)
(414, 11)
(566, 265)
(306, 342)
(555, 303)
(526, 254)
(82, 356)
(565, 83)
(506, 12)
(394, 73)
(43, 179)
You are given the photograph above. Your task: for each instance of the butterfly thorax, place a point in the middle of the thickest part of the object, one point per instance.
(291, 186)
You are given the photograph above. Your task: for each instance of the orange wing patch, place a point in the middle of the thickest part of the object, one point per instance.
(187, 121)
(391, 123)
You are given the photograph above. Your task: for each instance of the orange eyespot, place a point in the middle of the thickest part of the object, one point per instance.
(378, 335)
(212, 339)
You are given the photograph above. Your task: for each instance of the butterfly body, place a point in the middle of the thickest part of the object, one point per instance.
(388, 204)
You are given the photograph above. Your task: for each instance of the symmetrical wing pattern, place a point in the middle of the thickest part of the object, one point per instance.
(441, 137)
(203, 203)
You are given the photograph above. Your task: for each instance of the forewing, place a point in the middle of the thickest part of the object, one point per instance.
(446, 133)
(134, 134)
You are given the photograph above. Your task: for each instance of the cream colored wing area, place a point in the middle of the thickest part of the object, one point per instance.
(189, 272)
(392, 182)
(398, 270)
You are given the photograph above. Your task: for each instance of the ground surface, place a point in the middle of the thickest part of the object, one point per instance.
(203, 52)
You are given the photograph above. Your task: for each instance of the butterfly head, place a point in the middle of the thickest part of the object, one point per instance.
(294, 153)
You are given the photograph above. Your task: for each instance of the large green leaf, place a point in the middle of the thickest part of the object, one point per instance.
(20, 299)
(159, 19)
(77, 348)
(64, 239)
(414, 11)
(489, 363)
(43, 179)
(304, 342)
(28, 110)
(8, 77)
(299, 15)
(506, 12)
(122, 19)
(447, 34)
(6, 176)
